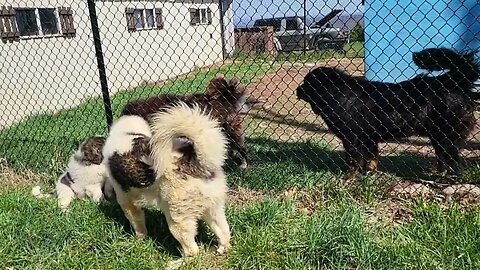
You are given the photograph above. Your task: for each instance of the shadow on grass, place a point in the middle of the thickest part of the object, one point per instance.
(278, 165)
(157, 228)
(279, 118)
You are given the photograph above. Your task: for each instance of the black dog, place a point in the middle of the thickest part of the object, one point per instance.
(363, 113)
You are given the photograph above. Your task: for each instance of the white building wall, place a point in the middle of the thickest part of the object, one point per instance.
(229, 34)
(152, 55)
(49, 74)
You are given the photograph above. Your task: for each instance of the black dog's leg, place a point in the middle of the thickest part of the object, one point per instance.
(235, 151)
(239, 146)
(447, 151)
(452, 156)
(245, 160)
(439, 153)
(353, 158)
(372, 156)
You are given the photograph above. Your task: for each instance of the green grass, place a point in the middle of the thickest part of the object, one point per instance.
(270, 231)
(268, 234)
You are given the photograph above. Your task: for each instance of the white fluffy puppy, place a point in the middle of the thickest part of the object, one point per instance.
(84, 176)
(177, 167)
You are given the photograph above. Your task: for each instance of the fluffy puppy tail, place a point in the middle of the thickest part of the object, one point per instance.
(187, 135)
(461, 66)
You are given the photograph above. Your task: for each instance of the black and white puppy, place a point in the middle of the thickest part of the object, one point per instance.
(84, 177)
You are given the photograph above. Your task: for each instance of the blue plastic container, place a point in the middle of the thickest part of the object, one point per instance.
(396, 28)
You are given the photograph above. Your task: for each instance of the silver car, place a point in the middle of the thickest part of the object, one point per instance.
(292, 34)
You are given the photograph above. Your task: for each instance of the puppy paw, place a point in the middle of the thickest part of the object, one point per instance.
(222, 249)
(176, 264)
(64, 209)
(140, 235)
(191, 252)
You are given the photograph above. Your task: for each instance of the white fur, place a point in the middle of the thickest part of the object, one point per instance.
(87, 182)
(184, 199)
(118, 140)
(193, 123)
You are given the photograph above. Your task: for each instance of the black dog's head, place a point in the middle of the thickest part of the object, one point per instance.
(435, 59)
(318, 85)
(308, 88)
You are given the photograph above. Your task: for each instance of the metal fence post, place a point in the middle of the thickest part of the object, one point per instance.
(304, 27)
(100, 63)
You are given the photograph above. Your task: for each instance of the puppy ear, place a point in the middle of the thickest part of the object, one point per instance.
(217, 85)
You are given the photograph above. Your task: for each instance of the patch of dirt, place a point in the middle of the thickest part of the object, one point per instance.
(446, 192)
(395, 209)
(307, 200)
(462, 192)
(390, 212)
(11, 178)
(239, 196)
(410, 190)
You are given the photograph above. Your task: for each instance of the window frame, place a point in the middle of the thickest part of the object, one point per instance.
(200, 17)
(40, 33)
(203, 19)
(289, 23)
(144, 19)
(57, 20)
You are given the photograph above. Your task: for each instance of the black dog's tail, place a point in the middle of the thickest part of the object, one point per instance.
(461, 66)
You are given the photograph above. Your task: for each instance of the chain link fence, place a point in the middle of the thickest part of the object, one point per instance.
(68, 68)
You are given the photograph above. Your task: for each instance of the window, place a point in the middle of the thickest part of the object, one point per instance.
(26, 22)
(139, 18)
(143, 18)
(200, 16)
(37, 21)
(32, 22)
(276, 23)
(48, 21)
(149, 18)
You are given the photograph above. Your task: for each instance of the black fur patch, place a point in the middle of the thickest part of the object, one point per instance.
(188, 164)
(129, 170)
(67, 180)
(92, 150)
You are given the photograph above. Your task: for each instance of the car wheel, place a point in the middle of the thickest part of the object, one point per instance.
(322, 43)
